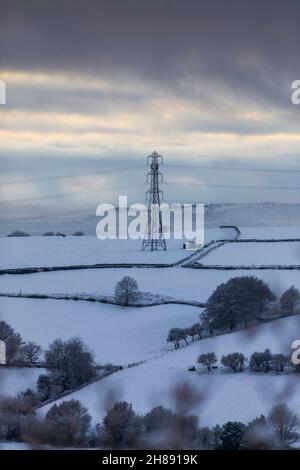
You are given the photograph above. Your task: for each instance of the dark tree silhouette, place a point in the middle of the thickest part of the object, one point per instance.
(126, 291)
(240, 299)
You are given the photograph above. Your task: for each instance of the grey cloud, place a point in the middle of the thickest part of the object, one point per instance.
(244, 50)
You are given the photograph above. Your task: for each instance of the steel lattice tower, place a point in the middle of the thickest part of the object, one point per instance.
(154, 238)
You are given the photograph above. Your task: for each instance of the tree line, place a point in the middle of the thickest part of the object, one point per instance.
(240, 302)
(68, 424)
(263, 361)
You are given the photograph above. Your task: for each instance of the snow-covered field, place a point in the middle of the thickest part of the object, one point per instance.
(15, 380)
(270, 233)
(58, 251)
(180, 283)
(125, 335)
(226, 396)
(116, 335)
(284, 253)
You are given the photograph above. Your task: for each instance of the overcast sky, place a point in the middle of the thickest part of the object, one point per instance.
(94, 86)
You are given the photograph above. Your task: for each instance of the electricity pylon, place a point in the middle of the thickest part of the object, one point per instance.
(154, 238)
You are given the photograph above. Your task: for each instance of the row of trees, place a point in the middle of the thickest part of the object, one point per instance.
(69, 424)
(263, 361)
(240, 301)
(79, 233)
(178, 335)
(69, 363)
(21, 233)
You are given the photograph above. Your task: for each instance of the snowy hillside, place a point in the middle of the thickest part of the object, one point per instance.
(227, 396)
(116, 335)
(14, 380)
(125, 335)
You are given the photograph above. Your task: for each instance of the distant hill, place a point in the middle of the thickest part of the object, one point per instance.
(246, 215)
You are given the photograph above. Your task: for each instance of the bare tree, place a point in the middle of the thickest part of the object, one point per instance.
(284, 424)
(126, 291)
(290, 299)
(30, 352)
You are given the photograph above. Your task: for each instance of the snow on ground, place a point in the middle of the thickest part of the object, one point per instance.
(14, 380)
(57, 251)
(287, 232)
(180, 283)
(284, 253)
(121, 335)
(227, 396)
(116, 335)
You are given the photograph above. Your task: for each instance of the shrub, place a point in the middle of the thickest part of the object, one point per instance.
(19, 233)
(14, 411)
(78, 234)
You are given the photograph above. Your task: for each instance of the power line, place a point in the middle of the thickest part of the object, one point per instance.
(235, 186)
(58, 165)
(131, 185)
(69, 193)
(222, 168)
(137, 167)
(49, 178)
